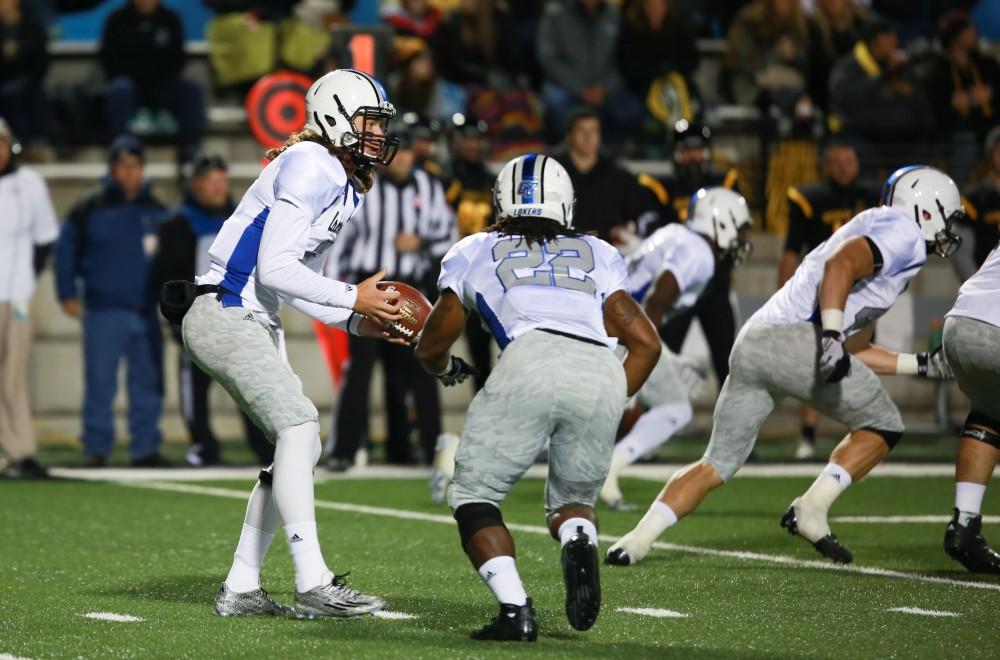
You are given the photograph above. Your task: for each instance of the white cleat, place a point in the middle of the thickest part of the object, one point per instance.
(804, 449)
(627, 551)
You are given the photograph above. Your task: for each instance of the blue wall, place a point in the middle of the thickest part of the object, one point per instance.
(86, 26)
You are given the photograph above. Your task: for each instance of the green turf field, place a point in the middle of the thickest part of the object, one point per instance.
(69, 548)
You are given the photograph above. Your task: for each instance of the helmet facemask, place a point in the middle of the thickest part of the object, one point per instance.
(740, 247)
(946, 242)
(368, 147)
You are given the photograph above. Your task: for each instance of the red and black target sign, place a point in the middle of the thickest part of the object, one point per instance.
(276, 106)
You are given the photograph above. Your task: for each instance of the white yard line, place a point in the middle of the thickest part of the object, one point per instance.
(659, 472)
(783, 560)
(393, 616)
(921, 612)
(904, 520)
(655, 612)
(8, 656)
(111, 616)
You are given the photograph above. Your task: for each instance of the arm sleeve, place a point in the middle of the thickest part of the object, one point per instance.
(337, 317)
(279, 260)
(66, 258)
(901, 250)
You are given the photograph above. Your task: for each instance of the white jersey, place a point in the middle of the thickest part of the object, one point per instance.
(979, 297)
(685, 253)
(28, 220)
(903, 251)
(317, 199)
(560, 285)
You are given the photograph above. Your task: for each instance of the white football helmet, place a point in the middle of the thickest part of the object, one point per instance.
(723, 216)
(333, 103)
(537, 186)
(933, 199)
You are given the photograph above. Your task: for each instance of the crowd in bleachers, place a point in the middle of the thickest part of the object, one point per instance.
(877, 84)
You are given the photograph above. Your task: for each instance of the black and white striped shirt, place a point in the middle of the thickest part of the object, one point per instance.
(368, 242)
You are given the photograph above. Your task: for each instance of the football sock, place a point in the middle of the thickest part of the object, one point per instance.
(809, 433)
(500, 575)
(571, 526)
(258, 531)
(303, 544)
(831, 482)
(968, 500)
(295, 454)
(655, 522)
(653, 429)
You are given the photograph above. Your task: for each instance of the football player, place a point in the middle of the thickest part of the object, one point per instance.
(555, 300)
(668, 274)
(269, 253)
(972, 346)
(809, 342)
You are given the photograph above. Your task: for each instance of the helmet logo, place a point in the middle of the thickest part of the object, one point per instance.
(927, 215)
(526, 189)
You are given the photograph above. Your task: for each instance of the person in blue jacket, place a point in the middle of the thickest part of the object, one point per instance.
(102, 276)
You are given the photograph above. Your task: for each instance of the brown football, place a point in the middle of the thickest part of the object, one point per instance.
(413, 306)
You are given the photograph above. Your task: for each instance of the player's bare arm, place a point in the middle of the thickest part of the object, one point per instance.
(662, 298)
(443, 328)
(625, 320)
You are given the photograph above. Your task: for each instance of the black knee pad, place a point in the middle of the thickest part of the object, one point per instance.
(475, 516)
(890, 438)
(974, 428)
(266, 476)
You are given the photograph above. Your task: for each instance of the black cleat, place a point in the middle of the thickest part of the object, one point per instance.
(828, 546)
(515, 623)
(617, 557)
(583, 581)
(966, 545)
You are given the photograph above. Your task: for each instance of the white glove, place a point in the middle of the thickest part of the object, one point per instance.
(834, 360)
(934, 365)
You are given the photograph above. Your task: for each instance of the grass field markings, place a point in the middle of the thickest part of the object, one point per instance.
(655, 612)
(394, 616)
(8, 656)
(645, 472)
(904, 520)
(922, 612)
(743, 555)
(111, 616)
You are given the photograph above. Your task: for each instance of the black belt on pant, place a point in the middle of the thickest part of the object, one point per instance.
(585, 340)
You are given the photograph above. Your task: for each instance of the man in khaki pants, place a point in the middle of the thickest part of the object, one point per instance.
(27, 231)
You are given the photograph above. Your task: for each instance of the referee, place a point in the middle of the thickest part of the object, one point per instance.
(405, 226)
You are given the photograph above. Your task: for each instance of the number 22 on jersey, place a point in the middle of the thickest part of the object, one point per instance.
(546, 264)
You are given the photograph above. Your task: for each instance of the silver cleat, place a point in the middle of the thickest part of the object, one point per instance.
(336, 599)
(251, 603)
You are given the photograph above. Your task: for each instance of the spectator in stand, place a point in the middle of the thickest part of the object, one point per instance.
(467, 48)
(470, 195)
(608, 197)
(873, 94)
(980, 230)
(24, 59)
(182, 252)
(834, 27)
(28, 229)
(576, 46)
(414, 18)
(107, 243)
(654, 41)
(142, 53)
(517, 21)
(814, 213)
(416, 85)
(768, 52)
(406, 227)
(964, 85)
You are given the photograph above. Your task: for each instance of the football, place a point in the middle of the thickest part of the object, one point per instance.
(413, 306)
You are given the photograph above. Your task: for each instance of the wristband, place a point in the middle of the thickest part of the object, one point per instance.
(832, 319)
(907, 364)
(354, 323)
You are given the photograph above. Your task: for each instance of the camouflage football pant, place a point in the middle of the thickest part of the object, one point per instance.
(973, 351)
(545, 387)
(771, 361)
(247, 357)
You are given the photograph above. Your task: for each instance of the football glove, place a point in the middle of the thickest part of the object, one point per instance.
(934, 365)
(834, 360)
(458, 370)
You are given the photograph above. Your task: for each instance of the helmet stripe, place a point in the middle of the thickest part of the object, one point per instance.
(541, 180)
(890, 183)
(527, 188)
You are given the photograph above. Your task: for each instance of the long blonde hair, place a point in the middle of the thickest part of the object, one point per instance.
(363, 176)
